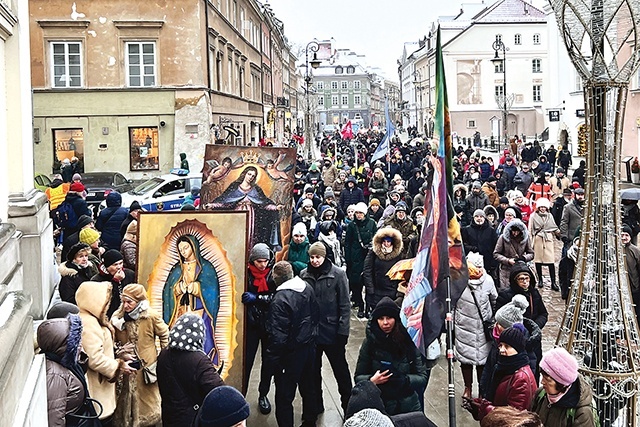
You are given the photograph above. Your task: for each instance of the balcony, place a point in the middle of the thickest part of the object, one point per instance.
(282, 102)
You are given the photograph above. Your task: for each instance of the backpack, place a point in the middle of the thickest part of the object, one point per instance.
(65, 217)
(571, 412)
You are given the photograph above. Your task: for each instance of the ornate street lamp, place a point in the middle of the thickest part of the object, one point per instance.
(599, 326)
(504, 102)
(418, 85)
(312, 46)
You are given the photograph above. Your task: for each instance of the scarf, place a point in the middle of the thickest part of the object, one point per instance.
(506, 365)
(133, 315)
(324, 268)
(542, 223)
(259, 278)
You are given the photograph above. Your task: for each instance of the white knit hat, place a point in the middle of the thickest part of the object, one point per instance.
(368, 418)
(299, 229)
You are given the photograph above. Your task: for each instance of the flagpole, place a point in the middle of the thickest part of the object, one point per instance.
(450, 357)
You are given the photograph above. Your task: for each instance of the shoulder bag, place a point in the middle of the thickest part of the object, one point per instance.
(487, 325)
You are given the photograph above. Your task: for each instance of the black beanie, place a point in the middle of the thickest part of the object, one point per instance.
(75, 249)
(627, 229)
(111, 257)
(135, 206)
(364, 395)
(514, 336)
(60, 310)
(224, 406)
(386, 307)
(83, 221)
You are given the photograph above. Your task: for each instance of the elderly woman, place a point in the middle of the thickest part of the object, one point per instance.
(136, 323)
(543, 230)
(473, 311)
(565, 397)
(389, 359)
(513, 245)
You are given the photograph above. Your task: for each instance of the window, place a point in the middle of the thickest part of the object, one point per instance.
(499, 90)
(351, 69)
(66, 60)
(356, 84)
(229, 72)
(244, 25)
(344, 85)
(173, 187)
(536, 38)
(471, 123)
(498, 37)
(320, 85)
(357, 100)
(537, 93)
(321, 101)
(517, 39)
(536, 66)
(143, 149)
(339, 70)
(334, 100)
(141, 64)
(498, 66)
(234, 14)
(67, 143)
(334, 85)
(345, 100)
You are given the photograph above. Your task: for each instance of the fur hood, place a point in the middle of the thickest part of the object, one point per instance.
(62, 337)
(324, 212)
(515, 223)
(305, 214)
(397, 243)
(68, 269)
(463, 190)
(94, 298)
(490, 209)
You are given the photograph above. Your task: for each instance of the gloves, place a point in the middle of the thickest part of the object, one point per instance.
(249, 298)
(342, 339)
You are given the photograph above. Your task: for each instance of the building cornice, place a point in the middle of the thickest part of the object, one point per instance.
(135, 23)
(63, 23)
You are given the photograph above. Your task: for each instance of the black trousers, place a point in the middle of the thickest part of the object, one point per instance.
(288, 377)
(336, 355)
(255, 336)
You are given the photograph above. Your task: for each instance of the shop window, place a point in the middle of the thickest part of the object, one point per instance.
(143, 149)
(68, 144)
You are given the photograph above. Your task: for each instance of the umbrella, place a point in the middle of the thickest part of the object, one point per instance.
(400, 269)
(630, 194)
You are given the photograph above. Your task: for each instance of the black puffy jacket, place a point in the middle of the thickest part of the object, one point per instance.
(110, 220)
(481, 239)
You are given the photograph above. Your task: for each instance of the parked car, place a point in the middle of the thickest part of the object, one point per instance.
(161, 193)
(41, 182)
(98, 185)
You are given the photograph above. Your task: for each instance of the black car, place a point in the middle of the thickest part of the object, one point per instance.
(99, 184)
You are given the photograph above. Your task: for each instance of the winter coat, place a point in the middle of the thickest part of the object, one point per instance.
(350, 196)
(415, 184)
(138, 402)
(516, 389)
(378, 188)
(298, 255)
(408, 231)
(471, 345)
(110, 220)
(477, 201)
(65, 391)
(536, 311)
(258, 310)
(481, 239)
(492, 194)
(579, 397)
(184, 380)
(332, 242)
(557, 209)
(571, 220)
(79, 208)
(376, 265)
(331, 288)
(409, 371)
(543, 230)
(309, 220)
(558, 184)
(462, 203)
(71, 277)
(485, 171)
(632, 261)
(354, 253)
(129, 251)
(104, 276)
(329, 175)
(93, 300)
(522, 181)
(508, 248)
(292, 320)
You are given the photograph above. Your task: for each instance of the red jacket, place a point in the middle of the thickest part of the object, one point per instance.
(516, 390)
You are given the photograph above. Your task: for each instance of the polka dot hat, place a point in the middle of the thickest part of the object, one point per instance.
(188, 333)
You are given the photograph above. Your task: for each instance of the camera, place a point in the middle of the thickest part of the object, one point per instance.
(163, 123)
(135, 364)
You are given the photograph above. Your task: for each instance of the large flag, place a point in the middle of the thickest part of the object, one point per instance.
(440, 259)
(347, 131)
(383, 147)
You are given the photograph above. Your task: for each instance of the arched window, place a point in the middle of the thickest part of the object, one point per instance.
(339, 70)
(517, 39)
(536, 38)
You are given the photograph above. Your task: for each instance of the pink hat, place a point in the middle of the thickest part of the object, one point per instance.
(560, 365)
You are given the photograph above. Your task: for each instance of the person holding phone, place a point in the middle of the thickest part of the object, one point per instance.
(389, 359)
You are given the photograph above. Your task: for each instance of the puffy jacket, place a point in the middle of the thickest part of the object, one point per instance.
(79, 208)
(481, 239)
(292, 320)
(332, 294)
(376, 265)
(184, 379)
(536, 311)
(110, 220)
(408, 231)
(378, 188)
(515, 389)
(298, 255)
(579, 397)
(350, 196)
(71, 277)
(257, 311)
(508, 248)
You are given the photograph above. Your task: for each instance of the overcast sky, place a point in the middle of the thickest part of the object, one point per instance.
(375, 28)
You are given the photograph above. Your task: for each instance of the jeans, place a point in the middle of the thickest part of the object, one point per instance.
(336, 355)
(255, 336)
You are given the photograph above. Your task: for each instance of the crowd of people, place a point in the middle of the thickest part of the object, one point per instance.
(353, 219)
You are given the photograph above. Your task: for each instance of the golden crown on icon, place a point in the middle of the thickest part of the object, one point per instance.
(250, 156)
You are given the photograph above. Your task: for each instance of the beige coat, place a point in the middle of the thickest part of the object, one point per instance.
(93, 299)
(543, 230)
(138, 402)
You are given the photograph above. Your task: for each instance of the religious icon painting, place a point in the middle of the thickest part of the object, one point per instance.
(195, 262)
(256, 180)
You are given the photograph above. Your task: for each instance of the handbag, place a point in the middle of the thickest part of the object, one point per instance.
(365, 247)
(487, 325)
(85, 415)
(149, 373)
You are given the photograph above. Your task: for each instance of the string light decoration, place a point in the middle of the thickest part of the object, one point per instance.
(599, 326)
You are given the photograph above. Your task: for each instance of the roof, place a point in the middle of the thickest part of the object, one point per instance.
(510, 11)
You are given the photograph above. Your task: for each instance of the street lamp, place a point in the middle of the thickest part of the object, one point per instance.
(502, 100)
(418, 82)
(312, 46)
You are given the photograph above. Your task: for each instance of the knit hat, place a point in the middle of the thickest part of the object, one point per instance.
(135, 206)
(369, 418)
(386, 307)
(76, 177)
(89, 236)
(188, 207)
(560, 365)
(361, 207)
(567, 192)
(111, 257)
(60, 310)
(135, 292)
(476, 259)
(364, 394)
(187, 333)
(318, 248)
(578, 190)
(515, 337)
(75, 249)
(329, 193)
(308, 189)
(476, 184)
(543, 202)
(479, 212)
(401, 206)
(512, 312)
(307, 202)
(559, 170)
(374, 201)
(224, 406)
(76, 187)
(83, 221)
(504, 200)
(627, 229)
(259, 251)
(299, 229)
(511, 211)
